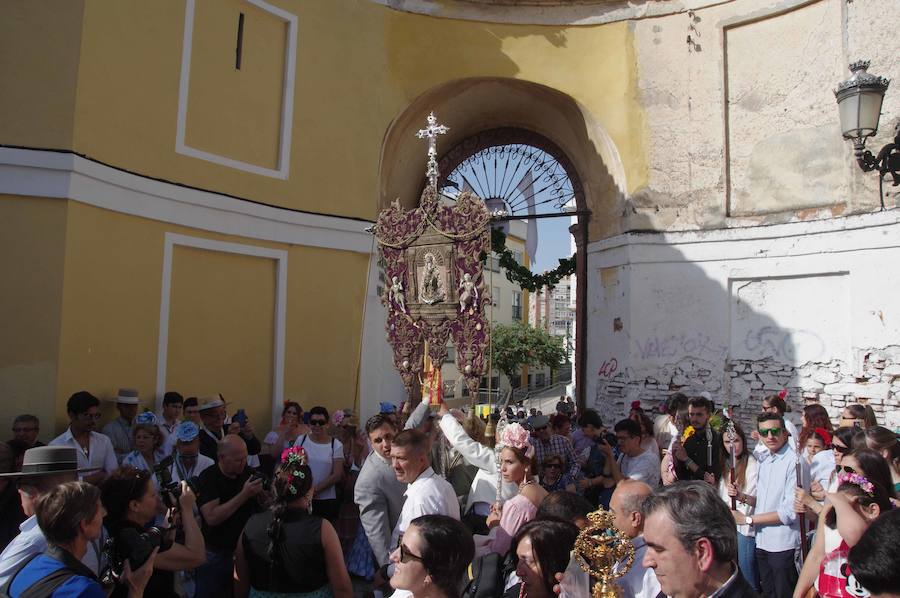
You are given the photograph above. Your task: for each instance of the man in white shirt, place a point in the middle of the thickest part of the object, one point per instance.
(775, 405)
(43, 468)
(634, 462)
(626, 502)
(427, 493)
(173, 406)
(94, 450)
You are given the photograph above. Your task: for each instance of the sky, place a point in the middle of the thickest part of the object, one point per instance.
(554, 241)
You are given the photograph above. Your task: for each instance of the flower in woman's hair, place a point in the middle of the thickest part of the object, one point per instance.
(294, 454)
(688, 432)
(857, 480)
(782, 394)
(338, 417)
(824, 435)
(515, 435)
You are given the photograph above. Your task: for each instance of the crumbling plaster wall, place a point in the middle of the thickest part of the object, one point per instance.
(742, 313)
(741, 122)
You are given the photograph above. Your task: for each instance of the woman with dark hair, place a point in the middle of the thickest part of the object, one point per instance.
(325, 456)
(542, 549)
(432, 556)
(743, 490)
(883, 441)
(289, 428)
(863, 491)
(517, 467)
(859, 416)
(287, 551)
(131, 503)
(814, 418)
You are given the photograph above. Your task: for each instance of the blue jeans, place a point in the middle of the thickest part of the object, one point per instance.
(747, 560)
(214, 578)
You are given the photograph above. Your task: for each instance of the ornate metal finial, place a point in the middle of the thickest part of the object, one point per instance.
(431, 132)
(601, 547)
(862, 79)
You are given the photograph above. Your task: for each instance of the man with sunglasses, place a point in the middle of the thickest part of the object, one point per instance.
(95, 451)
(775, 522)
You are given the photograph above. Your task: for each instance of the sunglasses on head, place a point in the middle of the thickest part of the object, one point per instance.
(552, 466)
(839, 449)
(317, 422)
(770, 431)
(845, 469)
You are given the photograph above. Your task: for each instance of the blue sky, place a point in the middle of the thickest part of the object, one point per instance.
(553, 243)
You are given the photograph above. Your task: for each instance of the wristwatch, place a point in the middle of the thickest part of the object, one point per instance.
(749, 520)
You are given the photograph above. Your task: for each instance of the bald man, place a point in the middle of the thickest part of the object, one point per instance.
(227, 497)
(626, 502)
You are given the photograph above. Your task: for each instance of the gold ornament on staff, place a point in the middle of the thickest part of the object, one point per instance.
(601, 547)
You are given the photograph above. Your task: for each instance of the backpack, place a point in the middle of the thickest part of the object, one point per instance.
(487, 575)
(41, 588)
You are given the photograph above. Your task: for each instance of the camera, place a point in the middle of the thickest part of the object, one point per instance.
(266, 481)
(133, 546)
(169, 489)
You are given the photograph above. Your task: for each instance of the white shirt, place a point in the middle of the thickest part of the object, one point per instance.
(100, 453)
(31, 541)
(638, 581)
(321, 461)
(751, 475)
(430, 494)
(644, 468)
(167, 430)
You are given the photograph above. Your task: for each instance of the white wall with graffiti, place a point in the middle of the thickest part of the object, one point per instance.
(745, 312)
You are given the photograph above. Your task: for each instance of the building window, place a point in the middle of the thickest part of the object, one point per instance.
(495, 296)
(517, 305)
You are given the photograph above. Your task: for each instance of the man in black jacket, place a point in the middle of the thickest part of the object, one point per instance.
(698, 457)
(692, 543)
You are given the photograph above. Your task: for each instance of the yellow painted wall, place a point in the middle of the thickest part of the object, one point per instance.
(39, 53)
(221, 328)
(111, 302)
(31, 259)
(359, 65)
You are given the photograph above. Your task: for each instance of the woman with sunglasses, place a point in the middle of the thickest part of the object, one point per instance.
(517, 467)
(431, 558)
(326, 459)
(132, 502)
(823, 475)
(863, 492)
(858, 416)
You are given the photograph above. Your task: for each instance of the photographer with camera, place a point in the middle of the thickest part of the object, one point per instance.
(229, 494)
(71, 517)
(131, 503)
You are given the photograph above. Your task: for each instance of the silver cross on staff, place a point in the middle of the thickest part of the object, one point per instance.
(431, 132)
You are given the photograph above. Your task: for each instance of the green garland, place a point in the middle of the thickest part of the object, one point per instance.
(521, 275)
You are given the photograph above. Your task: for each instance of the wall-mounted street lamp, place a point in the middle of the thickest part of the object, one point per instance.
(859, 101)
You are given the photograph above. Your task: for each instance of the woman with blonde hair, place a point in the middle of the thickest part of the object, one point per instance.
(516, 466)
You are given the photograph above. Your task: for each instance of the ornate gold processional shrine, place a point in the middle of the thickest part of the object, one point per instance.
(434, 280)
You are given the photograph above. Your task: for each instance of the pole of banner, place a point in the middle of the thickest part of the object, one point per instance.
(801, 517)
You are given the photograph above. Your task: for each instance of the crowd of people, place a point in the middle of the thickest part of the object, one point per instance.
(419, 502)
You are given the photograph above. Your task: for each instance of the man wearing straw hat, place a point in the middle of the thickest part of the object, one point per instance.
(212, 412)
(43, 468)
(119, 429)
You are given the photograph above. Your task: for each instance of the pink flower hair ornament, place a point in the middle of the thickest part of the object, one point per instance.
(514, 435)
(857, 480)
(337, 418)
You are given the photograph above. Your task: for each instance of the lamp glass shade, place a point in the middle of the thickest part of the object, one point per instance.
(860, 111)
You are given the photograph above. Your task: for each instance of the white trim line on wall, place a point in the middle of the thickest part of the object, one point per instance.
(280, 257)
(287, 106)
(40, 173)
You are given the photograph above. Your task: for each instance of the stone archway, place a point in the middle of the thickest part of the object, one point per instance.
(552, 118)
